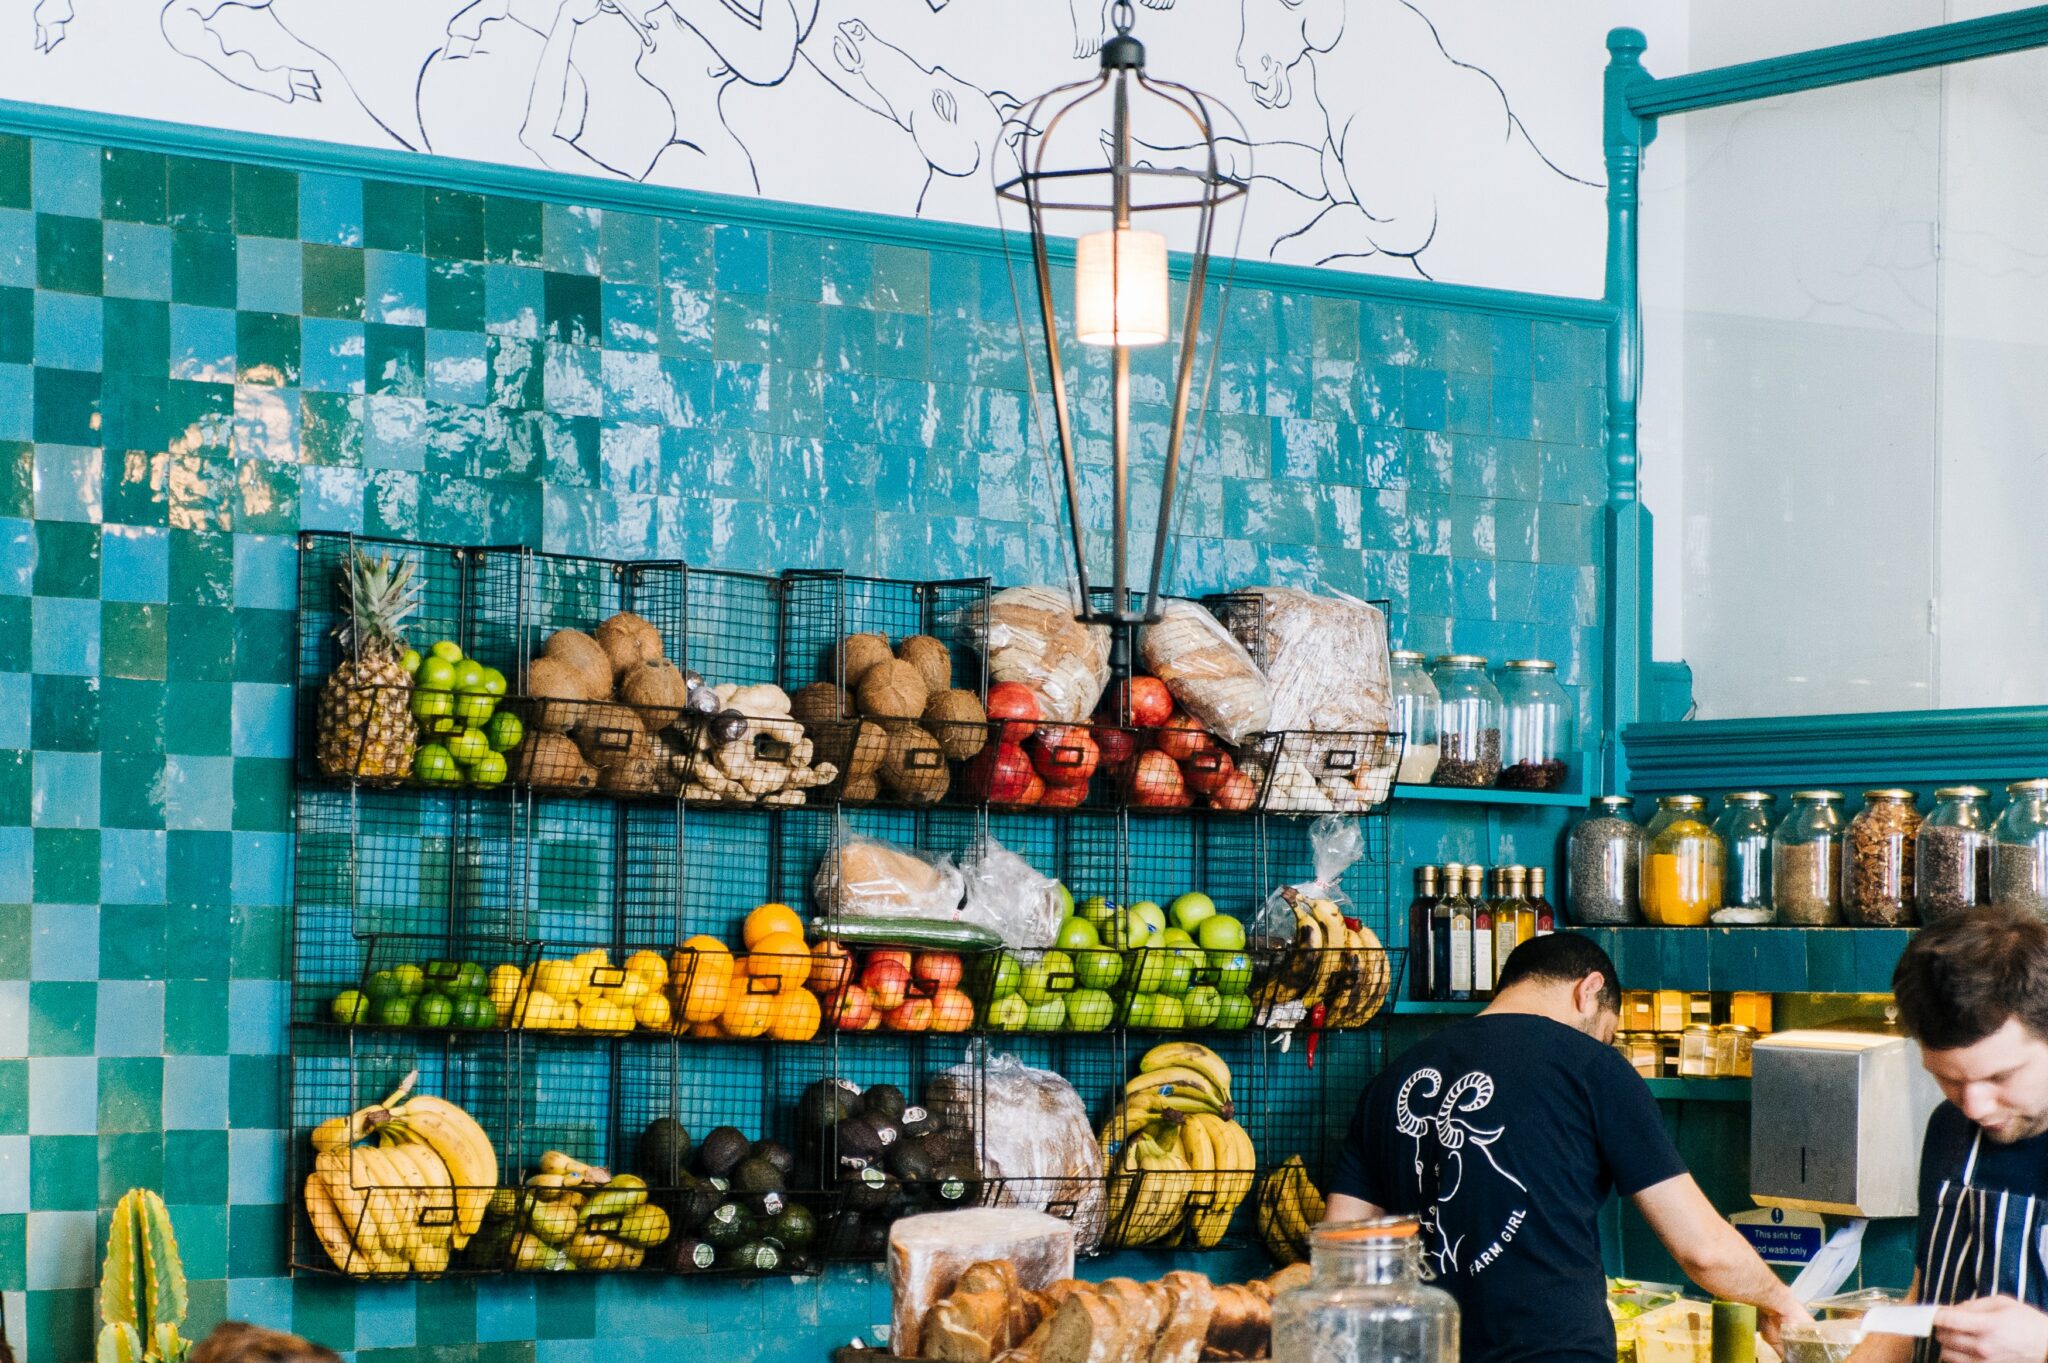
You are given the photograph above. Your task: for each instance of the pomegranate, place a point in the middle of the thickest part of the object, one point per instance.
(1017, 705)
(1182, 736)
(1064, 754)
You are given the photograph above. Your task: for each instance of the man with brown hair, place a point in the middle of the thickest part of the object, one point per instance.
(237, 1341)
(1973, 991)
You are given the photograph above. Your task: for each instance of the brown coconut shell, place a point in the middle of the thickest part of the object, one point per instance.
(931, 658)
(864, 756)
(819, 704)
(956, 718)
(552, 678)
(893, 690)
(633, 776)
(583, 654)
(609, 734)
(656, 689)
(914, 767)
(551, 760)
(861, 788)
(628, 639)
(858, 654)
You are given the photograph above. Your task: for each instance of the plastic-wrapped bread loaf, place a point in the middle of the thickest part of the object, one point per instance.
(1039, 1150)
(930, 1254)
(1033, 639)
(1327, 667)
(1209, 672)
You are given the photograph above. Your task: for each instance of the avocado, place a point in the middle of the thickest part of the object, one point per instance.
(757, 1256)
(839, 1236)
(727, 1226)
(873, 1243)
(694, 1201)
(721, 1151)
(776, 1154)
(866, 1190)
(909, 1161)
(766, 1206)
(858, 1143)
(694, 1256)
(883, 1100)
(663, 1152)
(825, 1104)
(956, 1183)
(915, 1121)
(885, 1128)
(755, 1175)
(795, 1227)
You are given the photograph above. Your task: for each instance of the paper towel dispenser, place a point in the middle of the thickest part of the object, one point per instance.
(1836, 1120)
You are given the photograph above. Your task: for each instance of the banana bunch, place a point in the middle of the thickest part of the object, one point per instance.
(573, 1215)
(1173, 1151)
(1334, 962)
(397, 1187)
(1289, 1206)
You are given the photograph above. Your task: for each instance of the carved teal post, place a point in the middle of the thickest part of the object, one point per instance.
(1627, 638)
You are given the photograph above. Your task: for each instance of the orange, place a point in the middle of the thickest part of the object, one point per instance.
(702, 979)
(795, 1016)
(705, 1029)
(783, 955)
(652, 1012)
(768, 920)
(747, 1014)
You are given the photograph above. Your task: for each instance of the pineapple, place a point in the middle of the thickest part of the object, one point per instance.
(365, 726)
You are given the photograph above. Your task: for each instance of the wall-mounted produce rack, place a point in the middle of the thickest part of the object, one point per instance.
(519, 898)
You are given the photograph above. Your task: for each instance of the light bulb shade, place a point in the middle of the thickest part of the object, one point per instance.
(1120, 288)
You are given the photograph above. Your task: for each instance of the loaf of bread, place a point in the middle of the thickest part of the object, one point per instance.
(1032, 638)
(1209, 673)
(1332, 695)
(1186, 1327)
(999, 1258)
(1240, 1326)
(967, 1327)
(1038, 1148)
(871, 879)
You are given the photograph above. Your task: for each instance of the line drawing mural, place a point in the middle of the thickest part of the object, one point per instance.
(1385, 148)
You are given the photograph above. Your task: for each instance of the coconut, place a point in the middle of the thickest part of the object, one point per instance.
(609, 733)
(861, 788)
(956, 718)
(893, 690)
(818, 704)
(582, 654)
(552, 678)
(931, 658)
(914, 765)
(547, 759)
(627, 639)
(858, 653)
(633, 776)
(870, 745)
(656, 688)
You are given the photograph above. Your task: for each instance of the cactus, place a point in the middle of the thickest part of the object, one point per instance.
(142, 1286)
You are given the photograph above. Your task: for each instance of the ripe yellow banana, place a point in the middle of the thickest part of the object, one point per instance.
(463, 1147)
(1191, 1055)
(1163, 1188)
(433, 1202)
(1180, 1089)
(348, 1197)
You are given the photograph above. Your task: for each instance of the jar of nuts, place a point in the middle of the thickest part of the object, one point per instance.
(1877, 860)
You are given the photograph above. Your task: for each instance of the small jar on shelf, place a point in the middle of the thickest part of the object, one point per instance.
(1418, 709)
(2019, 852)
(1806, 860)
(1877, 860)
(1952, 854)
(1469, 729)
(1603, 862)
(1745, 832)
(1536, 733)
(1683, 864)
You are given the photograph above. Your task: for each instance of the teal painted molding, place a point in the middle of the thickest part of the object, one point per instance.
(1773, 960)
(1902, 747)
(1562, 799)
(1699, 1090)
(1941, 45)
(484, 177)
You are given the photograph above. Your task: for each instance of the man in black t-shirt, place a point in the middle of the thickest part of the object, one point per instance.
(1504, 1134)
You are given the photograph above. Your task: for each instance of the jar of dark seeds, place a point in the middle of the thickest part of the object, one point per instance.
(1603, 863)
(1745, 830)
(1952, 854)
(1806, 860)
(1877, 860)
(2019, 852)
(1468, 722)
(1536, 726)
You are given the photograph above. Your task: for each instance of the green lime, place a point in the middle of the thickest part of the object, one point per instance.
(384, 985)
(434, 1010)
(472, 1010)
(504, 731)
(468, 745)
(441, 974)
(448, 651)
(350, 1006)
(412, 981)
(410, 661)
(494, 682)
(435, 674)
(489, 769)
(393, 1013)
(470, 979)
(469, 675)
(434, 763)
(432, 704)
(473, 707)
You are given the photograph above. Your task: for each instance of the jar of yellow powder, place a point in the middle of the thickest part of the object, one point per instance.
(1682, 866)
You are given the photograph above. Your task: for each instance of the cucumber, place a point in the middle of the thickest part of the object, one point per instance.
(927, 933)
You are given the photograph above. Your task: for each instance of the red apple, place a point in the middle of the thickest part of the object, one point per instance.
(1064, 754)
(887, 983)
(999, 773)
(872, 1022)
(1017, 704)
(849, 1009)
(1059, 796)
(902, 956)
(1206, 772)
(936, 969)
(1236, 793)
(952, 1011)
(912, 1015)
(1156, 781)
(831, 967)
(1034, 790)
(1182, 736)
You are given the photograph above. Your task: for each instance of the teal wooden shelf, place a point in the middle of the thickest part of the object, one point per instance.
(1413, 1006)
(1563, 799)
(1700, 1090)
(1770, 960)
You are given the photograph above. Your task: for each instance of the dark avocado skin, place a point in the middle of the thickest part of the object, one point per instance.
(721, 1150)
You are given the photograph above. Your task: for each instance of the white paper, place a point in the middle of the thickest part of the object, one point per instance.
(1833, 1265)
(1915, 1321)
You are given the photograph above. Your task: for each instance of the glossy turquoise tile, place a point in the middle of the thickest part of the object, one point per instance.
(267, 349)
(331, 209)
(203, 270)
(138, 261)
(269, 274)
(394, 216)
(333, 282)
(570, 236)
(16, 178)
(134, 185)
(629, 248)
(573, 309)
(68, 253)
(455, 295)
(266, 202)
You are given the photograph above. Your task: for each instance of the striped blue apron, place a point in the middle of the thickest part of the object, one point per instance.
(1983, 1243)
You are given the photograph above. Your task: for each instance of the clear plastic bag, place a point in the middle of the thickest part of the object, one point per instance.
(1337, 843)
(1210, 674)
(1009, 896)
(1031, 637)
(868, 878)
(1038, 1149)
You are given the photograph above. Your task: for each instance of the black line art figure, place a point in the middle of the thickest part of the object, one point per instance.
(1091, 22)
(959, 129)
(50, 18)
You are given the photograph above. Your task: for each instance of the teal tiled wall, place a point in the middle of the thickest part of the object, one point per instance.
(198, 358)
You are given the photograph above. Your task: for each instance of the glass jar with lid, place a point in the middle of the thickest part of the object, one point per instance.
(1536, 726)
(1468, 734)
(1806, 860)
(1952, 854)
(1745, 832)
(1418, 710)
(1603, 862)
(2019, 851)
(1365, 1300)
(1683, 863)
(1877, 860)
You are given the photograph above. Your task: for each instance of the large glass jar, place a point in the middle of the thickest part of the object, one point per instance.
(1952, 854)
(1745, 832)
(1418, 710)
(1806, 860)
(1682, 864)
(1877, 860)
(1536, 726)
(2019, 853)
(1469, 727)
(1603, 861)
(1366, 1300)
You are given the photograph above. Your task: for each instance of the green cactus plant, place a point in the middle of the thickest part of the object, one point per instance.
(142, 1286)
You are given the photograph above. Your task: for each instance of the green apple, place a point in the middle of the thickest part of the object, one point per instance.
(1148, 911)
(1009, 1014)
(1179, 974)
(1233, 971)
(1167, 1014)
(1220, 932)
(1098, 969)
(1190, 909)
(1095, 909)
(1089, 1010)
(472, 707)
(434, 763)
(1176, 937)
(1234, 1012)
(1202, 1005)
(1049, 1016)
(489, 769)
(1066, 898)
(1046, 978)
(469, 676)
(1076, 934)
(1148, 969)
(493, 682)
(1136, 936)
(1143, 1010)
(1004, 978)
